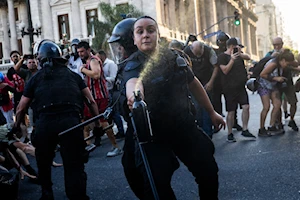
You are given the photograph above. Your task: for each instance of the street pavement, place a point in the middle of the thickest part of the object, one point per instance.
(261, 169)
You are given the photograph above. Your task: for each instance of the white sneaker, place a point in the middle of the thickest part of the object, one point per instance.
(90, 147)
(114, 152)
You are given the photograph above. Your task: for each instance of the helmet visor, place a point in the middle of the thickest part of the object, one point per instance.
(117, 51)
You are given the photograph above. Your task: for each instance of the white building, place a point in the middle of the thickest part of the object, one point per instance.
(59, 19)
(266, 25)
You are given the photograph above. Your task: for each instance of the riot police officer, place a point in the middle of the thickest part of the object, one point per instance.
(222, 37)
(59, 97)
(166, 93)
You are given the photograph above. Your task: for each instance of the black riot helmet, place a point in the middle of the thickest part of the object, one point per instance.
(46, 51)
(121, 40)
(222, 37)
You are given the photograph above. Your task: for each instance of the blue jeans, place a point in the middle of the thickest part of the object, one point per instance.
(203, 118)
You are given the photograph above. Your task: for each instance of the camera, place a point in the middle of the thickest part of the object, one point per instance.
(281, 85)
(28, 56)
(235, 50)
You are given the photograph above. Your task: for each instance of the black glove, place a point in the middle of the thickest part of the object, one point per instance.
(98, 131)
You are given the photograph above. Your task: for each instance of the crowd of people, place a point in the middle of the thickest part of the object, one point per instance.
(182, 85)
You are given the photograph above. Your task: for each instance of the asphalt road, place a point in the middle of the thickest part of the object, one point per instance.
(264, 169)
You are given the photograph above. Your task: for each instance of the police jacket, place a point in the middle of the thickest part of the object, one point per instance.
(56, 90)
(129, 68)
(165, 82)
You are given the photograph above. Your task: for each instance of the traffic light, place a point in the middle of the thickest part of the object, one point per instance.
(237, 18)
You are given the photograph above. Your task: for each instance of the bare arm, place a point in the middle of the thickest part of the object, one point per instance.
(19, 64)
(200, 95)
(209, 85)
(245, 56)
(95, 70)
(21, 110)
(226, 68)
(266, 73)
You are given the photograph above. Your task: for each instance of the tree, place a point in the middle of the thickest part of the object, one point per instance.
(112, 16)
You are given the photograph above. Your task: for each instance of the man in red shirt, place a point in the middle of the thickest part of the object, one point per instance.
(95, 80)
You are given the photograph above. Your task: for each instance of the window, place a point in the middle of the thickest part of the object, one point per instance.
(1, 52)
(63, 26)
(16, 14)
(91, 16)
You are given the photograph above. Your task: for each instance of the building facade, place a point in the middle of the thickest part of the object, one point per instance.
(67, 19)
(267, 26)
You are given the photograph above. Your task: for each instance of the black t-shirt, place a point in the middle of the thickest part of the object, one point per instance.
(236, 78)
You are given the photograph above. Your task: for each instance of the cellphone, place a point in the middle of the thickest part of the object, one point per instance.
(28, 56)
(235, 50)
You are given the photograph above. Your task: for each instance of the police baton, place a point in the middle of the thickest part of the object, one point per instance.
(104, 115)
(143, 133)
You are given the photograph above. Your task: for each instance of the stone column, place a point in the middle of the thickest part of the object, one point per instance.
(12, 25)
(202, 15)
(47, 25)
(77, 31)
(24, 18)
(197, 16)
(5, 43)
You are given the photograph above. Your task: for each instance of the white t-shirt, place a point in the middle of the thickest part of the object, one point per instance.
(75, 65)
(110, 70)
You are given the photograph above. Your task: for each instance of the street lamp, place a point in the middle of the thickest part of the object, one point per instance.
(37, 30)
(31, 31)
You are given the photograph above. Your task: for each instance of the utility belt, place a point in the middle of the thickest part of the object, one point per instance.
(60, 108)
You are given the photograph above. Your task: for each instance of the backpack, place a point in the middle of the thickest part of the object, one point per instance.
(258, 67)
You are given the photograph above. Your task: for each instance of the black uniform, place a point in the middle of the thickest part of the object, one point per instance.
(59, 103)
(174, 129)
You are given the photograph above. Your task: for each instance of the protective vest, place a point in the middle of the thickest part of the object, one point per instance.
(166, 90)
(57, 89)
(202, 67)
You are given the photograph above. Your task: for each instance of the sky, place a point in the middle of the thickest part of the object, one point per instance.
(290, 12)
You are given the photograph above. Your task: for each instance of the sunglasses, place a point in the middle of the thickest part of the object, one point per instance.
(278, 44)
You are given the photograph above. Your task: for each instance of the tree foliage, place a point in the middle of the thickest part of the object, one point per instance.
(112, 15)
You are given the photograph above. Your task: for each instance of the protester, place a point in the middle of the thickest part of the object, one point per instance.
(234, 79)
(94, 78)
(288, 93)
(270, 84)
(110, 70)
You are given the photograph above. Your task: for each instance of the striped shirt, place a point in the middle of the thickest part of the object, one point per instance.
(97, 86)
